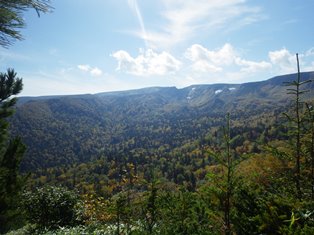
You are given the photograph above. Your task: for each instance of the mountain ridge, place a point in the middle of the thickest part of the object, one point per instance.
(277, 80)
(62, 130)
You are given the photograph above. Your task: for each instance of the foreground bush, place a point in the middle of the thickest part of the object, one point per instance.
(52, 207)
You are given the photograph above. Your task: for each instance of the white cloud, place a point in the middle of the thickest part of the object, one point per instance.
(286, 61)
(147, 63)
(205, 60)
(282, 56)
(84, 67)
(94, 71)
(197, 52)
(201, 65)
(252, 66)
(185, 18)
(204, 66)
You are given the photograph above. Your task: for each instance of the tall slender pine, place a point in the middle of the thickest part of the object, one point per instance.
(297, 121)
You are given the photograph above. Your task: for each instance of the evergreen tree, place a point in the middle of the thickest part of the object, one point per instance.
(224, 183)
(150, 210)
(310, 112)
(297, 121)
(11, 151)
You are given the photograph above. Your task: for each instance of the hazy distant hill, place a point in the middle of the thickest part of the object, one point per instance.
(60, 130)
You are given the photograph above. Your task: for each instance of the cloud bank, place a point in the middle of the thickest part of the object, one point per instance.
(147, 63)
(200, 64)
(205, 60)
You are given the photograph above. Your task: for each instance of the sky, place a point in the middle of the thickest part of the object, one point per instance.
(91, 46)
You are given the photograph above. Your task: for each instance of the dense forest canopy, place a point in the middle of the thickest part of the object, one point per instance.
(161, 156)
(61, 131)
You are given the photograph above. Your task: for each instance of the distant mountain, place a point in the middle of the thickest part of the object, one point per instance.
(62, 130)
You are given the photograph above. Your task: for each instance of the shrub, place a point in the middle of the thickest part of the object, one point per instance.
(52, 207)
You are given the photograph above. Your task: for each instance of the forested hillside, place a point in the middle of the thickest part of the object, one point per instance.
(61, 131)
(169, 161)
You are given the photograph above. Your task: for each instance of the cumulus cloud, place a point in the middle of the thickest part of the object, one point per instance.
(285, 61)
(210, 61)
(199, 64)
(205, 60)
(204, 66)
(147, 63)
(94, 71)
(252, 66)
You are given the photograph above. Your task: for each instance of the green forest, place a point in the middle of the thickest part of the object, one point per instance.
(204, 172)
(152, 161)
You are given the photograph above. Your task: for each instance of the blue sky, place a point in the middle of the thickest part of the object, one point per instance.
(107, 45)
